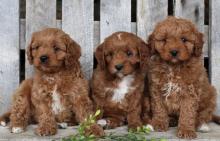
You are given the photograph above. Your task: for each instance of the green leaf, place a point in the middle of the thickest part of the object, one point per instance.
(97, 113)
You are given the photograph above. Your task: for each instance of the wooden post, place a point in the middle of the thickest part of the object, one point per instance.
(115, 16)
(214, 50)
(39, 14)
(150, 12)
(78, 23)
(9, 54)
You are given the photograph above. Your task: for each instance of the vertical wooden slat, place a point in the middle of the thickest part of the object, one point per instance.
(9, 52)
(192, 10)
(115, 16)
(149, 12)
(39, 14)
(214, 43)
(78, 23)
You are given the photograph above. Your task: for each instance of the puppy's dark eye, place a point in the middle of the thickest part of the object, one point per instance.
(129, 53)
(56, 49)
(35, 48)
(110, 54)
(163, 40)
(184, 39)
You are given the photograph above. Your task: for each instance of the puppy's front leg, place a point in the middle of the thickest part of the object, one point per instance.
(134, 112)
(47, 124)
(160, 120)
(188, 113)
(20, 111)
(83, 108)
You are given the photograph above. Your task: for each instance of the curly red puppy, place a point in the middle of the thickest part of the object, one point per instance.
(118, 80)
(179, 84)
(58, 92)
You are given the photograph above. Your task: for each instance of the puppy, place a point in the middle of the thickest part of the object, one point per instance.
(178, 81)
(118, 80)
(57, 94)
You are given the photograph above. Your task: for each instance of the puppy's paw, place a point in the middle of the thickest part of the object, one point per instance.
(186, 134)
(62, 125)
(204, 128)
(17, 130)
(113, 123)
(3, 123)
(134, 126)
(160, 126)
(102, 122)
(96, 130)
(150, 127)
(46, 131)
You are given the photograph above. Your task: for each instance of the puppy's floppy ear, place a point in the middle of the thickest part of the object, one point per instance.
(151, 44)
(29, 51)
(73, 51)
(198, 45)
(144, 53)
(99, 55)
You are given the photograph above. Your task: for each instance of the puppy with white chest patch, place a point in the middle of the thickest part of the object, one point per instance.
(118, 80)
(57, 94)
(178, 82)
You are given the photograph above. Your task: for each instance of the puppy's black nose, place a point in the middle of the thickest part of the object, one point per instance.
(119, 67)
(44, 58)
(174, 53)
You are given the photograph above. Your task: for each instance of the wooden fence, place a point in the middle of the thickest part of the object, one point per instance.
(78, 22)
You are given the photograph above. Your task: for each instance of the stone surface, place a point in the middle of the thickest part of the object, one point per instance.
(28, 135)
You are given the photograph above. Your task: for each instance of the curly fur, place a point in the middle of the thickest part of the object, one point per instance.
(58, 91)
(119, 93)
(178, 83)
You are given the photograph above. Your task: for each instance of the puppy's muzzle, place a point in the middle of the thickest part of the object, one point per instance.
(119, 67)
(174, 53)
(44, 58)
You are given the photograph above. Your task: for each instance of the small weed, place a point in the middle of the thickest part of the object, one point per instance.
(132, 135)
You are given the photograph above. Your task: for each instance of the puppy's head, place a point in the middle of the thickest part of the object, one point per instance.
(176, 40)
(122, 54)
(51, 50)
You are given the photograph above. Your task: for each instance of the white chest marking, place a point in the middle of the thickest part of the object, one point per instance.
(170, 87)
(56, 103)
(123, 88)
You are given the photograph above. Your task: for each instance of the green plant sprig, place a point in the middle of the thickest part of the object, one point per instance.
(133, 135)
(81, 131)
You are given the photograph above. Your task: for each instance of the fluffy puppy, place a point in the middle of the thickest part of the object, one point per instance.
(118, 80)
(57, 94)
(178, 81)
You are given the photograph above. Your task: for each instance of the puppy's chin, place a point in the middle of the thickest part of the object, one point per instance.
(120, 74)
(174, 60)
(48, 69)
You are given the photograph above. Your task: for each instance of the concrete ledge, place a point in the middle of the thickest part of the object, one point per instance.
(28, 135)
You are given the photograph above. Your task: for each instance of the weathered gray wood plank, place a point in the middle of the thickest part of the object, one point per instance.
(149, 12)
(22, 34)
(78, 23)
(192, 10)
(9, 53)
(39, 14)
(170, 135)
(115, 15)
(96, 37)
(214, 45)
